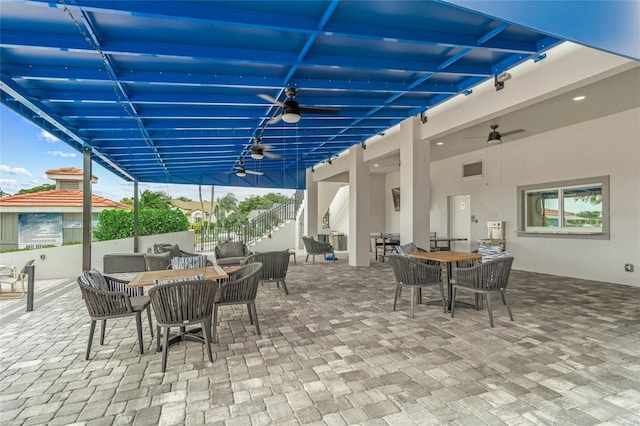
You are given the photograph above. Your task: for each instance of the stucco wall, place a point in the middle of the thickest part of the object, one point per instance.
(66, 261)
(605, 146)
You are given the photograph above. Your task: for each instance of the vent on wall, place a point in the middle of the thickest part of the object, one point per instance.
(472, 170)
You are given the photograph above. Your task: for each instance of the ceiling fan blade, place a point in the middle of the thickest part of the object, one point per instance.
(318, 110)
(251, 172)
(271, 155)
(474, 137)
(512, 132)
(275, 119)
(270, 99)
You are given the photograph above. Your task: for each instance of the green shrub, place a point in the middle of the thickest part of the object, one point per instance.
(116, 224)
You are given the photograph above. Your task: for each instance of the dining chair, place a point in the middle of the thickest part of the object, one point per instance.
(241, 289)
(182, 304)
(13, 277)
(106, 298)
(274, 267)
(315, 248)
(484, 279)
(416, 275)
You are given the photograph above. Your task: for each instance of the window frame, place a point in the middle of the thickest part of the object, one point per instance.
(562, 231)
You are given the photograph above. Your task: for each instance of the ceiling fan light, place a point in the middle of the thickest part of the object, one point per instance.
(257, 153)
(241, 173)
(289, 117)
(494, 138)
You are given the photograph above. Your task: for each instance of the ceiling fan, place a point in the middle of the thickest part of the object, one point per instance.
(291, 110)
(259, 151)
(495, 137)
(242, 172)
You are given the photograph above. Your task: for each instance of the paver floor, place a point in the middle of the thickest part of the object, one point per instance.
(334, 352)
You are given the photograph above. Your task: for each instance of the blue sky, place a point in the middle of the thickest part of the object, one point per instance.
(27, 152)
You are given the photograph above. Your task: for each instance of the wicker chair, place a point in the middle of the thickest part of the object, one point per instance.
(315, 248)
(416, 275)
(114, 300)
(180, 305)
(486, 278)
(241, 290)
(274, 267)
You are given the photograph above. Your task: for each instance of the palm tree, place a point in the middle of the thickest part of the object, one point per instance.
(227, 206)
(154, 200)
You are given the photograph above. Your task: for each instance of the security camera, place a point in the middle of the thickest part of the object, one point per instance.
(501, 78)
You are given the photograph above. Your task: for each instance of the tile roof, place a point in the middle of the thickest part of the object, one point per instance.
(58, 198)
(74, 171)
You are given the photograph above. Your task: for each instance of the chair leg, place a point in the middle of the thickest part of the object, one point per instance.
(255, 317)
(250, 313)
(490, 309)
(207, 337)
(398, 291)
(92, 330)
(150, 321)
(307, 259)
(413, 300)
(453, 300)
(139, 327)
(158, 337)
(165, 347)
(419, 290)
(215, 323)
(444, 303)
(506, 302)
(284, 287)
(102, 331)
(313, 259)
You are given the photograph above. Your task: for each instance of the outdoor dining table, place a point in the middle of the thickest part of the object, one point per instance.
(448, 258)
(147, 278)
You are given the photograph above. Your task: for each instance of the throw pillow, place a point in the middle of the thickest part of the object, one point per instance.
(157, 262)
(198, 277)
(188, 262)
(94, 278)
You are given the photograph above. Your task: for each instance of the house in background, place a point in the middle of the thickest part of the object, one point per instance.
(50, 217)
(193, 210)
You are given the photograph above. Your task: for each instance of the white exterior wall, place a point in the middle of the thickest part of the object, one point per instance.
(604, 146)
(281, 239)
(66, 261)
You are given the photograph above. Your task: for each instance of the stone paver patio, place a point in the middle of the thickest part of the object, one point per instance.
(333, 352)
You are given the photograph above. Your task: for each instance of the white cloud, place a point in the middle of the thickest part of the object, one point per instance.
(48, 136)
(21, 171)
(34, 182)
(62, 154)
(8, 182)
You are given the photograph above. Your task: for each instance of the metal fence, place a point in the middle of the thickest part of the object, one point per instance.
(256, 228)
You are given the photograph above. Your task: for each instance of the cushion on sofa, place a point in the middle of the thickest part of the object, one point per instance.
(157, 262)
(174, 250)
(231, 249)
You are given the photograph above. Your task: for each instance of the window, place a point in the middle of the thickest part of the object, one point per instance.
(570, 208)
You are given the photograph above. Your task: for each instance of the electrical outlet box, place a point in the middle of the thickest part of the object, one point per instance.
(628, 267)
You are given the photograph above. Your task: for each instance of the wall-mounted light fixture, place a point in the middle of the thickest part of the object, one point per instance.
(499, 80)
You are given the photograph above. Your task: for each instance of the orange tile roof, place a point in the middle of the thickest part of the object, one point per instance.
(68, 171)
(58, 198)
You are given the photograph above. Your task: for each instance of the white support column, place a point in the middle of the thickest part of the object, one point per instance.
(358, 239)
(415, 185)
(311, 207)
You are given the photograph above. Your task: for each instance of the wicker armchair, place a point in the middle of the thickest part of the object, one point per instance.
(274, 267)
(416, 275)
(228, 253)
(486, 278)
(241, 290)
(315, 248)
(111, 299)
(182, 304)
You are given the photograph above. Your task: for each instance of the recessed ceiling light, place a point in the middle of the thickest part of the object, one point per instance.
(579, 98)
(439, 143)
(376, 165)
